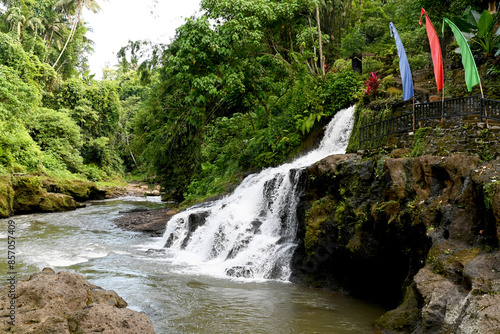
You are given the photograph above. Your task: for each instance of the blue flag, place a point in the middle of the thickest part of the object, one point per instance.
(404, 66)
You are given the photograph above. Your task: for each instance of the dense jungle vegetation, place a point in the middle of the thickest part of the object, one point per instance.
(240, 87)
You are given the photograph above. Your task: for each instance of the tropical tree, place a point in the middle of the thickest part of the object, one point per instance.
(73, 9)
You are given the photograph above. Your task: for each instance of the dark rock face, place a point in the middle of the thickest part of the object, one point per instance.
(49, 302)
(195, 220)
(421, 233)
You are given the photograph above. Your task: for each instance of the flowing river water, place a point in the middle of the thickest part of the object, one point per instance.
(195, 285)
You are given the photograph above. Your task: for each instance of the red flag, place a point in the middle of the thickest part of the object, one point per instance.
(437, 58)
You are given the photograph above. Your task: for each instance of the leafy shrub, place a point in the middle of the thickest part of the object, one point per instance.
(58, 133)
(19, 152)
(418, 62)
(28, 67)
(353, 42)
(342, 65)
(388, 82)
(17, 99)
(371, 84)
(371, 64)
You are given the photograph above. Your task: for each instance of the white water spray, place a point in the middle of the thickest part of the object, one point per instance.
(251, 233)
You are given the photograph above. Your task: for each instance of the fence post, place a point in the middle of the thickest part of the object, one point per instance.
(414, 114)
(442, 110)
(359, 139)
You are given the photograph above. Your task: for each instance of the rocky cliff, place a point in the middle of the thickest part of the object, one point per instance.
(419, 235)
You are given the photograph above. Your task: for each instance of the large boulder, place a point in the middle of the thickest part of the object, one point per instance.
(49, 302)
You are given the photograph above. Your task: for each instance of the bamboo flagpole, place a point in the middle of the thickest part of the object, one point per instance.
(485, 109)
(404, 69)
(437, 56)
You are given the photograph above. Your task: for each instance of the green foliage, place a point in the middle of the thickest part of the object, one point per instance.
(28, 67)
(96, 109)
(483, 29)
(419, 141)
(342, 65)
(388, 82)
(419, 61)
(353, 42)
(58, 135)
(17, 99)
(19, 152)
(371, 64)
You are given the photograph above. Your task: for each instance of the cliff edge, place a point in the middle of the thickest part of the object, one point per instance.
(419, 235)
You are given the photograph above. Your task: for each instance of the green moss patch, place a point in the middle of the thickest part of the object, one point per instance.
(315, 218)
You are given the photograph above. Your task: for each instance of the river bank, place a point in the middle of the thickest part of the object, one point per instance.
(27, 193)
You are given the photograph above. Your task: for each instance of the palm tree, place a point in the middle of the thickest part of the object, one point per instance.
(75, 7)
(53, 23)
(16, 19)
(35, 24)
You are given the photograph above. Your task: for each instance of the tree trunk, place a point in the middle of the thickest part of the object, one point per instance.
(70, 37)
(321, 60)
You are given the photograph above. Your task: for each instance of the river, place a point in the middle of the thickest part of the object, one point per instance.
(177, 300)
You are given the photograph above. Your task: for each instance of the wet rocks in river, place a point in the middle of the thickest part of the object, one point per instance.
(240, 271)
(49, 302)
(147, 221)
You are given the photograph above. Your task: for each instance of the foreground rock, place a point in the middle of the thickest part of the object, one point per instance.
(49, 302)
(419, 235)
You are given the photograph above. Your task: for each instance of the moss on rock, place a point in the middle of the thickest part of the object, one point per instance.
(51, 202)
(6, 197)
(28, 193)
(315, 218)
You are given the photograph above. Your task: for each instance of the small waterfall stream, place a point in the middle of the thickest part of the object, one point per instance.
(251, 233)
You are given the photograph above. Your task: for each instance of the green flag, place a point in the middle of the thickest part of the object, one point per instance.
(471, 73)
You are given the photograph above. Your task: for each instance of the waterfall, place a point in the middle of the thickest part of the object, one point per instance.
(251, 233)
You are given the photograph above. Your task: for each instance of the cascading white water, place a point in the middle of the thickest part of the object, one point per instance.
(251, 233)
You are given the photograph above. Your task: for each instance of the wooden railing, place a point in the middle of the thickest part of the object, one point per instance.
(459, 107)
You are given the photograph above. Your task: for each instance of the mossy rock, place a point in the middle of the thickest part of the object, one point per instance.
(79, 190)
(28, 193)
(6, 197)
(405, 318)
(51, 202)
(31, 195)
(315, 218)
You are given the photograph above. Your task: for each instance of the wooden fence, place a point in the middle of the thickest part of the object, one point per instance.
(459, 107)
